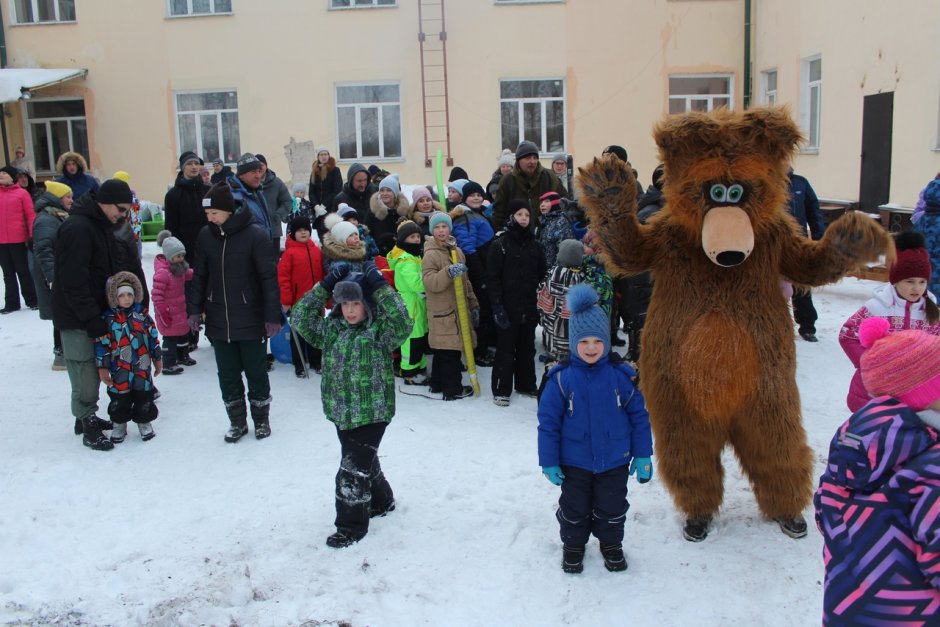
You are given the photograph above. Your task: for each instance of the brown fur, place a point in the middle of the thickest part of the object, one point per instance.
(116, 280)
(719, 363)
(380, 211)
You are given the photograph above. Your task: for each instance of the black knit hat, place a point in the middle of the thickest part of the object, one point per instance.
(472, 187)
(457, 173)
(189, 155)
(219, 198)
(526, 148)
(405, 229)
(297, 223)
(246, 163)
(114, 191)
(620, 151)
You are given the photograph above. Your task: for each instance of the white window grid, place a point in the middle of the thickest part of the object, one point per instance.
(811, 101)
(768, 87)
(201, 115)
(543, 102)
(361, 4)
(681, 103)
(189, 8)
(28, 11)
(49, 150)
(382, 109)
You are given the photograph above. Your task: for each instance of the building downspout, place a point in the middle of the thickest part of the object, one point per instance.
(3, 107)
(747, 54)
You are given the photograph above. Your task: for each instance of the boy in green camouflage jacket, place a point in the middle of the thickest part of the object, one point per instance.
(368, 322)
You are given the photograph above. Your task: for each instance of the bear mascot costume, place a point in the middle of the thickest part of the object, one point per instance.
(718, 365)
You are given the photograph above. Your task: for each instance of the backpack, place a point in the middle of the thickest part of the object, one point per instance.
(932, 193)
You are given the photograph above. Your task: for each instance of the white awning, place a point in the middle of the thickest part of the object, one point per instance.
(14, 82)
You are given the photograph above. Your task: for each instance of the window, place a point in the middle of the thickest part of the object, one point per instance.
(207, 124)
(356, 4)
(533, 110)
(811, 100)
(37, 11)
(528, 1)
(368, 121)
(700, 92)
(177, 8)
(55, 126)
(768, 87)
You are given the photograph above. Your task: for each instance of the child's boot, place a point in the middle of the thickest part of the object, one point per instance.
(146, 431)
(614, 559)
(238, 417)
(572, 559)
(260, 414)
(119, 432)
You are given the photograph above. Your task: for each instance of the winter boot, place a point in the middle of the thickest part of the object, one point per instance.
(379, 512)
(260, 413)
(794, 527)
(79, 429)
(58, 360)
(146, 431)
(119, 432)
(696, 529)
(92, 437)
(238, 417)
(614, 559)
(572, 559)
(340, 540)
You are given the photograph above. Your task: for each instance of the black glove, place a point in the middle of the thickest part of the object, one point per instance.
(500, 317)
(337, 273)
(475, 317)
(96, 328)
(373, 276)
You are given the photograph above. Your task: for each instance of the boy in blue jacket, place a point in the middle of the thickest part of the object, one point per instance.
(594, 432)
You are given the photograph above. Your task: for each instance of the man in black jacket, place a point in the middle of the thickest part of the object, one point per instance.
(86, 254)
(182, 205)
(804, 207)
(356, 191)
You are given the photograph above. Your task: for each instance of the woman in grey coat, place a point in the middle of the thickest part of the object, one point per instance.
(52, 208)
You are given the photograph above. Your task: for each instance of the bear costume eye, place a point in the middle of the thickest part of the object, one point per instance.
(718, 192)
(735, 193)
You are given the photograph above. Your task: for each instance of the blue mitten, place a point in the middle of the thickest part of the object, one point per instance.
(337, 273)
(643, 467)
(455, 270)
(553, 474)
(373, 276)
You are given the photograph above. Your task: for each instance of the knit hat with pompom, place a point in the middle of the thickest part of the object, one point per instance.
(170, 245)
(587, 318)
(903, 364)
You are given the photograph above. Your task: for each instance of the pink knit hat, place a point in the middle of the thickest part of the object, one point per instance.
(904, 364)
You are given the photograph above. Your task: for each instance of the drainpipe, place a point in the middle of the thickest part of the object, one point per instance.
(747, 54)
(3, 107)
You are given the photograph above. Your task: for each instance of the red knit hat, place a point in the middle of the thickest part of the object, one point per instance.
(904, 364)
(551, 197)
(913, 260)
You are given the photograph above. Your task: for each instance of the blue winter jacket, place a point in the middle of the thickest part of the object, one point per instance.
(929, 225)
(471, 230)
(255, 201)
(592, 417)
(804, 206)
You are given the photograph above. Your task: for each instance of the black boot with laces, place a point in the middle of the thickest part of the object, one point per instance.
(572, 559)
(614, 559)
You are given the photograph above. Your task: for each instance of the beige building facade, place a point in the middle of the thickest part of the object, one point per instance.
(365, 78)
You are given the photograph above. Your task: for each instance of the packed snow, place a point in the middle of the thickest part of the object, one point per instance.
(188, 530)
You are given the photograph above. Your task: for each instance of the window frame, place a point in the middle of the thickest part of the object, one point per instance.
(769, 96)
(189, 12)
(29, 122)
(689, 98)
(352, 7)
(199, 149)
(544, 148)
(504, 2)
(808, 113)
(358, 107)
(34, 5)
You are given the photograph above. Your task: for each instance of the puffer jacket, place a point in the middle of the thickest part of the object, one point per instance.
(443, 325)
(300, 268)
(592, 417)
(16, 215)
(50, 214)
(471, 230)
(515, 267)
(169, 297)
(407, 271)
(184, 215)
(555, 227)
(382, 219)
(129, 349)
(81, 182)
(878, 510)
(358, 386)
(929, 225)
(901, 313)
(235, 279)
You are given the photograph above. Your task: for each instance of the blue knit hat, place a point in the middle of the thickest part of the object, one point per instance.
(436, 218)
(587, 318)
(391, 182)
(458, 185)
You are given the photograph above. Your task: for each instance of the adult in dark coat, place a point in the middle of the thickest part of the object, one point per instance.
(235, 286)
(515, 265)
(73, 171)
(326, 181)
(182, 205)
(527, 180)
(86, 255)
(804, 207)
(52, 209)
(220, 172)
(357, 191)
(277, 198)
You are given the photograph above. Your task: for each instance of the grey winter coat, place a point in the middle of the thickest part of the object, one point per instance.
(278, 200)
(50, 214)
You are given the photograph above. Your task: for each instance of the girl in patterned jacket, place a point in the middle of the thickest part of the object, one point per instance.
(904, 302)
(368, 322)
(878, 502)
(124, 357)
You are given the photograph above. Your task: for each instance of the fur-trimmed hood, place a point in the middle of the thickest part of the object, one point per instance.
(321, 172)
(339, 251)
(420, 218)
(70, 156)
(116, 280)
(380, 211)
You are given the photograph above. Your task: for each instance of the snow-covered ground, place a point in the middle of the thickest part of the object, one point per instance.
(188, 530)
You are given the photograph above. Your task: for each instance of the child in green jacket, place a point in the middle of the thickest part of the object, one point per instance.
(405, 261)
(368, 322)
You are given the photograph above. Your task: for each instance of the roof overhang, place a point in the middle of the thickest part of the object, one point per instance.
(18, 83)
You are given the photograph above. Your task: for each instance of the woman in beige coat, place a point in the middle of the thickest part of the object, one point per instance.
(438, 272)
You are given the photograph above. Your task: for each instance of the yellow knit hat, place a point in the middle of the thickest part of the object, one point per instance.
(59, 190)
(122, 175)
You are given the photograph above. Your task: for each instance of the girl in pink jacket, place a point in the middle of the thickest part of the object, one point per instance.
(16, 229)
(170, 273)
(904, 302)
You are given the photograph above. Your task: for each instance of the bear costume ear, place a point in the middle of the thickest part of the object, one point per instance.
(771, 131)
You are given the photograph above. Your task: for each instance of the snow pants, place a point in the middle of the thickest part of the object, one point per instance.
(360, 482)
(593, 504)
(136, 405)
(515, 360)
